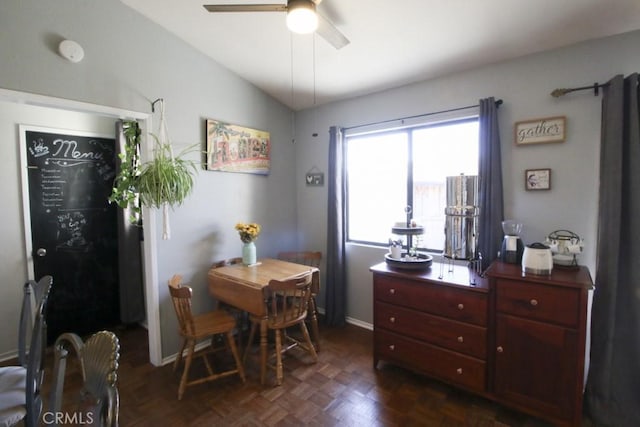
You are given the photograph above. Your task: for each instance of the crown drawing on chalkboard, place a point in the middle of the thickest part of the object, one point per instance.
(38, 148)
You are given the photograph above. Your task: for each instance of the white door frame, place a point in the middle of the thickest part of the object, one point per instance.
(149, 219)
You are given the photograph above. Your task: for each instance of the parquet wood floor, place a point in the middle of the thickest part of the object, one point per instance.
(342, 389)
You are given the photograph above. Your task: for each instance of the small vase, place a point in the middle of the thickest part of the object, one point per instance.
(249, 253)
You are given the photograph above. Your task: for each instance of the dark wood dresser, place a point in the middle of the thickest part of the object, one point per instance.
(437, 327)
(517, 339)
(539, 334)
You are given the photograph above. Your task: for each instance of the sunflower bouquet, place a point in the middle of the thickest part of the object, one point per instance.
(248, 232)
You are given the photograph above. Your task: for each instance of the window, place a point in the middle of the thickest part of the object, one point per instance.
(387, 170)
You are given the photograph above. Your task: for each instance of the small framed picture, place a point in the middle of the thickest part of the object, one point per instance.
(537, 179)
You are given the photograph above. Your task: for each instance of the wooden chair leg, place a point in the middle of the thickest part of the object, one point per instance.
(263, 351)
(187, 365)
(279, 370)
(314, 322)
(236, 357)
(307, 339)
(241, 320)
(206, 359)
(252, 334)
(238, 314)
(179, 355)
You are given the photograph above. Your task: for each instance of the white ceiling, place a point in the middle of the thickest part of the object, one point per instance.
(392, 42)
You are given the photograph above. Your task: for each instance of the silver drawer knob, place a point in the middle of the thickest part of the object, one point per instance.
(392, 347)
(460, 306)
(392, 291)
(392, 319)
(500, 349)
(459, 371)
(534, 302)
(460, 339)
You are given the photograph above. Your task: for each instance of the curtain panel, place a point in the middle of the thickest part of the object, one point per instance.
(336, 292)
(613, 386)
(490, 183)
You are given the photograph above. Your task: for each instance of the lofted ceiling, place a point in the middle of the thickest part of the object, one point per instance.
(392, 43)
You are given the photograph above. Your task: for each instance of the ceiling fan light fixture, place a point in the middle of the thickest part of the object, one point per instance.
(301, 16)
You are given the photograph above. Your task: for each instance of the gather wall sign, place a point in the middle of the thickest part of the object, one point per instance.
(538, 131)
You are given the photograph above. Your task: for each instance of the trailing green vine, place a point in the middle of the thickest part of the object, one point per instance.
(125, 186)
(163, 181)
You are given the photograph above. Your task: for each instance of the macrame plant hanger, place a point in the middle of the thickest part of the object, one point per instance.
(167, 179)
(163, 139)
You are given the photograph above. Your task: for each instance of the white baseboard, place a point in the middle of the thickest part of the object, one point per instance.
(202, 345)
(9, 355)
(352, 321)
(172, 358)
(359, 323)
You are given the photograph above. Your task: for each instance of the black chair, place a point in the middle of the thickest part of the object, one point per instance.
(33, 294)
(99, 399)
(20, 398)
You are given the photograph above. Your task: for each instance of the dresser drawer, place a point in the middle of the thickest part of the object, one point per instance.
(442, 300)
(539, 302)
(434, 361)
(457, 336)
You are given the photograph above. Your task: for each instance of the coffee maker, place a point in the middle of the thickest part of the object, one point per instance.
(512, 246)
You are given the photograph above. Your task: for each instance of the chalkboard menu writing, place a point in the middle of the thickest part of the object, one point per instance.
(74, 228)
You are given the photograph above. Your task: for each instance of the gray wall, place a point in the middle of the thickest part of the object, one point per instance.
(129, 62)
(525, 85)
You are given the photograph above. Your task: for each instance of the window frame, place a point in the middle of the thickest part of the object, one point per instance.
(409, 128)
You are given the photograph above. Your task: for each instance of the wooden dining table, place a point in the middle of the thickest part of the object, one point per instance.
(242, 286)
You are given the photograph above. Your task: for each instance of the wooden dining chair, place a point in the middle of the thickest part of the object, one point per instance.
(310, 258)
(98, 358)
(195, 328)
(242, 319)
(20, 395)
(286, 305)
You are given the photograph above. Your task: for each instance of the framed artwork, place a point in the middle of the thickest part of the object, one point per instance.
(537, 179)
(538, 131)
(233, 148)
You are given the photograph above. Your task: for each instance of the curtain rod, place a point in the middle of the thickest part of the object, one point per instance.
(556, 93)
(498, 103)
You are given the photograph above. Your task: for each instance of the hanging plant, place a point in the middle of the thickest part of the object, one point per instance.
(165, 181)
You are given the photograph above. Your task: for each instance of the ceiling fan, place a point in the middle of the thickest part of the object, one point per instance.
(302, 17)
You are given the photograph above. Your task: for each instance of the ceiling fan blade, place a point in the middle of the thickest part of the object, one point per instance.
(326, 29)
(246, 7)
(330, 33)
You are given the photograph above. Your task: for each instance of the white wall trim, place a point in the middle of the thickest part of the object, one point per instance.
(149, 251)
(352, 321)
(359, 323)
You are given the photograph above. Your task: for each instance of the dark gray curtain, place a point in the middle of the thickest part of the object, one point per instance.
(490, 177)
(129, 255)
(336, 293)
(613, 387)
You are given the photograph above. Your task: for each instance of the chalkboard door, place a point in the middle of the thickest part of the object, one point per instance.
(74, 228)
